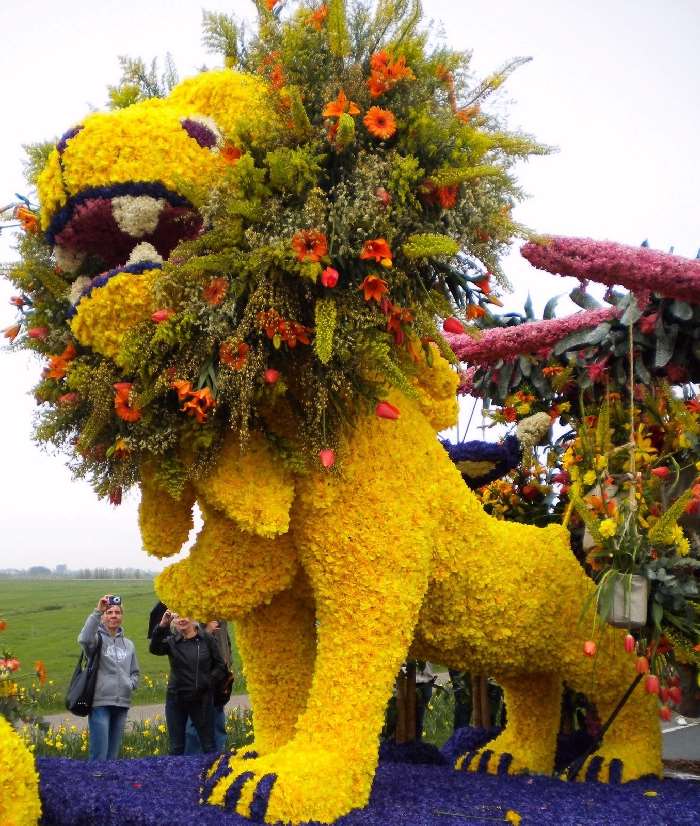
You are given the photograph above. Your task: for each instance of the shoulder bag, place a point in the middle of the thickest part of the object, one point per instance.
(81, 690)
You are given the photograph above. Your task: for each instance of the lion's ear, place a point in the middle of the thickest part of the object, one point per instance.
(252, 487)
(165, 521)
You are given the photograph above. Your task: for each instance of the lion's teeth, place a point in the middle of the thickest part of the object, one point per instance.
(144, 252)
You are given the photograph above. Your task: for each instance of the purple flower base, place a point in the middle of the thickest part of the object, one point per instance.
(163, 791)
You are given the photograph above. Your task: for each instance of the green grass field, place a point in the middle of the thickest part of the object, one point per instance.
(44, 617)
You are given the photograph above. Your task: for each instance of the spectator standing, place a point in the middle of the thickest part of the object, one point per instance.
(195, 664)
(219, 631)
(117, 676)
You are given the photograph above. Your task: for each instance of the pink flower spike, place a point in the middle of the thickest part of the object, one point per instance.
(329, 277)
(387, 411)
(327, 457)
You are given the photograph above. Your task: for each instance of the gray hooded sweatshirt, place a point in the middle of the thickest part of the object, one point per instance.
(118, 671)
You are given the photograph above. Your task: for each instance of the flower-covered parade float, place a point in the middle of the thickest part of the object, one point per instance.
(239, 290)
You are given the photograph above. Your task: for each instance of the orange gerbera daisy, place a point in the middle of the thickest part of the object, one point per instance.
(380, 123)
(122, 403)
(339, 106)
(377, 250)
(234, 358)
(310, 245)
(373, 288)
(215, 291)
(318, 18)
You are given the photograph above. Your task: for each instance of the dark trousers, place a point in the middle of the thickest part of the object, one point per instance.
(199, 712)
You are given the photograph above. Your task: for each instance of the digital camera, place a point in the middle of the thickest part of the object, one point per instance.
(114, 600)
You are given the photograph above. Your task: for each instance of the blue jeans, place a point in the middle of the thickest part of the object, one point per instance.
(192, 743)
(106, 725)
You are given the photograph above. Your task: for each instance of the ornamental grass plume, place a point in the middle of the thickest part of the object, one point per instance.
(509, 342)
(605, 262)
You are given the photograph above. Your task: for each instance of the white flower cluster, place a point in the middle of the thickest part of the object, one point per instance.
(137, 215)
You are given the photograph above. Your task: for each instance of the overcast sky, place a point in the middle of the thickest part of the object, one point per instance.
(614, 84)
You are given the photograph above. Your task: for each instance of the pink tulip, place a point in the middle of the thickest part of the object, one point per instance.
(665, 713)
(327, 457)
(329, 277)
(664, 694)
(39, 333)
(675, 694)
(652, 684)
(661, 472)
(452, 325)
(642, 665)
(630, 643)
(589, 648)
(387, 411)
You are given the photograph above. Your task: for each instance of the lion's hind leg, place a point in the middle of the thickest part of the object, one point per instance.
(527, 745)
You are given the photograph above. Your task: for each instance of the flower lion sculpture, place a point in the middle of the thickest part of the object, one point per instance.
(244, 318)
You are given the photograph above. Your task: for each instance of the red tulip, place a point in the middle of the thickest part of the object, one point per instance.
(271, 375)
(38, 332)
(630, 643)
(452, 325)
(642, 665)
(327, 457)
(675, 694)
(589, 648)
(675, 680)
(693, 507)
(162, 315)
(661, 472)
(665, 713)
(652, 684)
(329, 277)
(664, 694)
(387, 411)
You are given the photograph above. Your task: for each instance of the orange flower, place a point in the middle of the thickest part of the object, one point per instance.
(318, 18)
(377, 250)
(374, 288)
(12, 332)
(556, 370)
(310, 245)
(377, 85)
(183, 389)
(231, 153)
(235, 359)
(58, 365)
(277, 78)
(475, 311)
(3, 625)
(397, 317)
(386, 73)
(122, 404)
(379, 61)
(29, 221)
(380, 123)
(469, 112)
(271, 4)
(340, 105)
(215, 291)
(199, 403)
(40, 670)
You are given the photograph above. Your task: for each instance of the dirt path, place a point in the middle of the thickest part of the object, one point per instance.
(137, 713)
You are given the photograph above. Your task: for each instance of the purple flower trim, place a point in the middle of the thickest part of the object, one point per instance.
(508, 342)
(103, 278)
(261, 798)
(637, 268)
(223, 769)
(66, 136)
(155, 190)
(234, 790)
(199, 132)
(163, 790)
(504, 455)
(416, 753)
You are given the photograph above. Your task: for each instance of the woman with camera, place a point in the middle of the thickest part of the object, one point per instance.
(195, 667)
(117, 676)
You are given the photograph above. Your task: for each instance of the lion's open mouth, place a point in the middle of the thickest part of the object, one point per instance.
(103, 225)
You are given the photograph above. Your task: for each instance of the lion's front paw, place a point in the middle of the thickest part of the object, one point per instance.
(492, 762)
(292, 785)
(619, 765)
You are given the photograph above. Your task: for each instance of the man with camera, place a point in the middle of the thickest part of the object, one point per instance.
(117, 676)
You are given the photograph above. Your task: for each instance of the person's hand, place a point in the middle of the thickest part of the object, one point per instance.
(103, 603)
(166, 619)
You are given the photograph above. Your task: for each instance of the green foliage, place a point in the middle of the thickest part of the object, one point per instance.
(326, 317)
(337, 27)
(138, 82)
(429, 245)
(220, 33)
(294, 171)
(37, 154)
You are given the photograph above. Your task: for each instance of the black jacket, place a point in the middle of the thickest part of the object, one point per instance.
(195, 664)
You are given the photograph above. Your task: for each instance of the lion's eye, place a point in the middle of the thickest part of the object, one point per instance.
(206, 134)
(66, 136)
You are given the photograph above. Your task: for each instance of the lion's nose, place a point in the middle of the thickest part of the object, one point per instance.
(137, 215)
